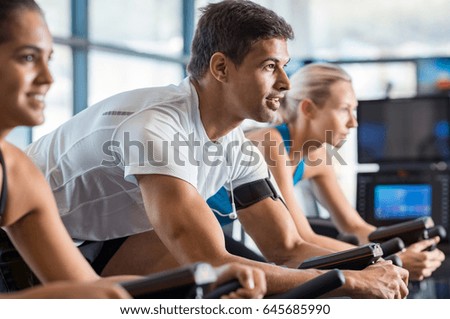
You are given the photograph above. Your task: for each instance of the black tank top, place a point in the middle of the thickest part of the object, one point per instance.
(4, 186)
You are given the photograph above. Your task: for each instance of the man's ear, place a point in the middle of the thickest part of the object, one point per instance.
(218, 66)
(308, 108)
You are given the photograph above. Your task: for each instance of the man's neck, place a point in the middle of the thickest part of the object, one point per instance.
(216, 118)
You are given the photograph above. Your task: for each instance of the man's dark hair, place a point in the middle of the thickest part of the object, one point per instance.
(232, 27)
(9, 10)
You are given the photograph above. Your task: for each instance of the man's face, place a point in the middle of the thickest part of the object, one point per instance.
(256, 86)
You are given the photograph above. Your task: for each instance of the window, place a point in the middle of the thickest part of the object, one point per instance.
(110, 74)
(152, 32)
(378, 29)
(145, 25)
(379, 80)
(57, 14)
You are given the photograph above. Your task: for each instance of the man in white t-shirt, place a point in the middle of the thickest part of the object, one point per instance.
(148, 159)
(92, 161)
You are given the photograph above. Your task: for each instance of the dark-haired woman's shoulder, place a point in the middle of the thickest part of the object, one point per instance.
(28, 190)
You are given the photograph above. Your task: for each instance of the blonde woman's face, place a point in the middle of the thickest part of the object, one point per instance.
(338, 114)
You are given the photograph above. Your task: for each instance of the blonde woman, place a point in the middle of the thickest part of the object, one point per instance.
(321, 100)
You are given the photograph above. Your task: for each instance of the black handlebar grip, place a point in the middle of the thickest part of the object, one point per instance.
(437, 231)
(223, 289)
(395, 260)
(311, 289)
(392, 246)
(315, 287)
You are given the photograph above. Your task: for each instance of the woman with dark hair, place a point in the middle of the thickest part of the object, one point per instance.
(28, 212)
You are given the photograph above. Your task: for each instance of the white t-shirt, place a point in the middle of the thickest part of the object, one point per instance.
(90, 161)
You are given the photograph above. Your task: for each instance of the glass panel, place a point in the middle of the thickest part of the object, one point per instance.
(20, 136)
(59, 103)
(149, 25)
(364, 28)
(57, 14)
(110, 74)
(383, 28)
(433, 76)
(381, 80)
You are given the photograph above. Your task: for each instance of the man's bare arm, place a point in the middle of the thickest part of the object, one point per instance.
(190, 231)
(271, 226)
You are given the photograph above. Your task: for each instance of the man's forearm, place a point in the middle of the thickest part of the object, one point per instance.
(295, 255)
(331, 243)
(279, 279)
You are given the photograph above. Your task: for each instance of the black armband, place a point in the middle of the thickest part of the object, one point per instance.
(248, 194)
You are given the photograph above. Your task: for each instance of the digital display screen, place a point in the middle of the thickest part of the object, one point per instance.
(402, 201)
(404, 130)
(433, 75)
